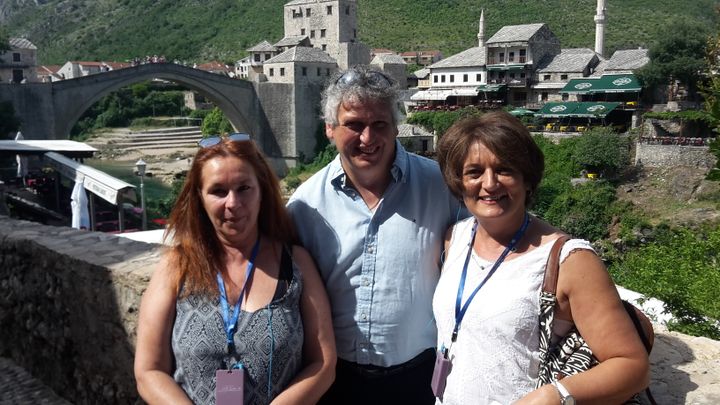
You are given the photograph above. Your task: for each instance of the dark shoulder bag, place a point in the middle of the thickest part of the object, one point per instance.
(571, 355)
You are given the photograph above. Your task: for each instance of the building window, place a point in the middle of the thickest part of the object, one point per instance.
(322, 33)
(478, 77)
(324, 47)
(442, 78)
(512, 75)
(307, 12)
(452, 78)
(327, 71)
(563, 77)
(465, 78)
(304, 71)
(565, 97)
(302, 31)
(282, 71)
(16, 57)
(272, 72)
(511, 56)
(312, 33)
(544, 96)
(347, 10)
(267, 56)
(523, 57)
(354, 33)
(424, 145)
(435, 79)
(501, 57)
(522, 75)
(546, 77)
(256, 57)
(329, 10)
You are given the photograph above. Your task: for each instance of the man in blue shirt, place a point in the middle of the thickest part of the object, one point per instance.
(374, 220)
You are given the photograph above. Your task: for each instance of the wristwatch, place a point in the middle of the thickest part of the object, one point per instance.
(565, 397)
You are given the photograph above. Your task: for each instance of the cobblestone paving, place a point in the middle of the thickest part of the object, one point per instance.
(18, 387)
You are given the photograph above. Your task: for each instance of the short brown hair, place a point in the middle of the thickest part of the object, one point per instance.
(197, 252)
(504, 135)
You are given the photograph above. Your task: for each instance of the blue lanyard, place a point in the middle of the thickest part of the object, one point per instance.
(461, 309)
(231, 323)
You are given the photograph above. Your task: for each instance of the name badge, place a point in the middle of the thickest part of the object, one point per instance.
(229, 386)
(440, 374)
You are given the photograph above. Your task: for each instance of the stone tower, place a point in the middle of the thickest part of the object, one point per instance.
(481, 29)
(600, 28)
(331, 25)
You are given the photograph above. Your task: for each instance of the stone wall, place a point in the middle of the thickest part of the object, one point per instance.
(673, 156)
(69, 302)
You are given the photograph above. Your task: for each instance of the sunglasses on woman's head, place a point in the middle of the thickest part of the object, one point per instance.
(216, 139)
(371, 78)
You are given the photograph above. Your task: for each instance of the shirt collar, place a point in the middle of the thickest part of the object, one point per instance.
(399, 168)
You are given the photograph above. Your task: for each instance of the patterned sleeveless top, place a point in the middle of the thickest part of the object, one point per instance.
(268, 342)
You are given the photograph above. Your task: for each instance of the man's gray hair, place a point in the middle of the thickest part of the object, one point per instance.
(359, 84)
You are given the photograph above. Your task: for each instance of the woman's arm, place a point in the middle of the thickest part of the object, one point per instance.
(153, 357)
(319, 356)
(587, 296)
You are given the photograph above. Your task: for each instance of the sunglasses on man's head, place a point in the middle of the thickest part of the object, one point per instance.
(216, 139)
(369, 78)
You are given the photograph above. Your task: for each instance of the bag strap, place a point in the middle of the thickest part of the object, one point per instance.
(552, 269)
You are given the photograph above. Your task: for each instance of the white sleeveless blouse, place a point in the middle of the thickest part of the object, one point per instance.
(495, 359)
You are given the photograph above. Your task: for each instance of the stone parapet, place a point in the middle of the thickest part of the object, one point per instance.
(69, 303)
(673, 156)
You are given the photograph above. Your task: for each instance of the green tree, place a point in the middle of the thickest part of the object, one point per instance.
(215, 123)
(602, 150)
(4, 40)
(676, 55)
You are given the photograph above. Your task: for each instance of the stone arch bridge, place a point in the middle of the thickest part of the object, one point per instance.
(281, 117)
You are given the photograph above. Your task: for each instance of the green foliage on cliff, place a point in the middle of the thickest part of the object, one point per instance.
(222, 29)
(682, 268)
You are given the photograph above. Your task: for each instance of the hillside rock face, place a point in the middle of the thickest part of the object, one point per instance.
(685, 369)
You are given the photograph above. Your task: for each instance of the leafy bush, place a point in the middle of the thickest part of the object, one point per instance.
(682, 268)
(603, 151)
(215, 123)
(686, 115)
(439, 121)
(583, 211)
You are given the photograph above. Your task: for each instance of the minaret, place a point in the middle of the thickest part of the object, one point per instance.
(600, 28)
(481, 30)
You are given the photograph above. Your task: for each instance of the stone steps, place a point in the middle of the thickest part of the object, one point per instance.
(157, 138)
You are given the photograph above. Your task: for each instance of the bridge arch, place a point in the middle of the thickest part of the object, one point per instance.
(236, 98)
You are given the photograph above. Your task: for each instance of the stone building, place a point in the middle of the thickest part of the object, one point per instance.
(330, 25)
(19, 64)
(554, 72)
(300, 65)
(394, 66)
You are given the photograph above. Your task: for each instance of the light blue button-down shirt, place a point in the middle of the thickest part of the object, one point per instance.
(380, 268)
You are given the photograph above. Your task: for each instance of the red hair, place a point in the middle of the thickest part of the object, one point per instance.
(196, 252)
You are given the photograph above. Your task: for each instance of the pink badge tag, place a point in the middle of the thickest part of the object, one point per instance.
(440, 374)
(229, 385)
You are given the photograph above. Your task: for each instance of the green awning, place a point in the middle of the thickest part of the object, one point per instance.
(522, 111)
(577, 109)
(557, 109)
(618, 84)
(512, 68)
(594, 109)
(490, 88)
(626, 83)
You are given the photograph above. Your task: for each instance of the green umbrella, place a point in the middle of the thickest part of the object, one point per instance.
(522, 111)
